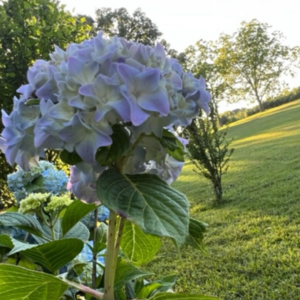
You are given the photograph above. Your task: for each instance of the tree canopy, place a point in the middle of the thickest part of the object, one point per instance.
(29, 29)
(253, 61)
(201, 61)
(137, 28)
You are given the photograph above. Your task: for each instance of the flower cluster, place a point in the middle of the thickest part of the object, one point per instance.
(33, 203)
(72, 102)
(57, 203)
(52, 180)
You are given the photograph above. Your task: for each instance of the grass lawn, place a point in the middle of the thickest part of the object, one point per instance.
(253, 240)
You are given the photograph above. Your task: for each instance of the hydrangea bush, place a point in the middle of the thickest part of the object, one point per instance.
(112, 107)
(43, 177)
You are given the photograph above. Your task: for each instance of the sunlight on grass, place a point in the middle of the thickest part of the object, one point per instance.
(252, 242)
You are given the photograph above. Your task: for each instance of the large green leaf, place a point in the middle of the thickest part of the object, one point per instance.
(26, 222)
(138, 246)
(53, 255)
(74, 213)
(78, 231)
(175, 296)
(126, 272)
(17, 283)
(196, 234)
(147, 201)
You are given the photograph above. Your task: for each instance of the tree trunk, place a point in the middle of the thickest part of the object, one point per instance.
(260, 103)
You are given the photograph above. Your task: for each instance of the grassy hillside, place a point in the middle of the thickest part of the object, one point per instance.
(253, 240)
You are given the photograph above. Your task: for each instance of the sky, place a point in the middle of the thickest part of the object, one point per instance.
(185, 22)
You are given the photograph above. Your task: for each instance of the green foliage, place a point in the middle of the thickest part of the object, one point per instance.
(168, 296)
(127, 272)
(75, 212)
(208, 150)
(129, 195)
(201, 60)
(241, 113)
(148, 245)
(252, 242)
(31, 284)
(137, 28)
(252, 61)
(29, 31)
(6, 197)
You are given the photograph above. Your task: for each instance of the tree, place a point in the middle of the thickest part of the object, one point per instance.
(29, 29)
(137, 28)
(253, 60)
(201, 61)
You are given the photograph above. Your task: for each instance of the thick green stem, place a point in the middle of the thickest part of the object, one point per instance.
(94, 272)
(110, 262)
(52, 232)
(119, 236)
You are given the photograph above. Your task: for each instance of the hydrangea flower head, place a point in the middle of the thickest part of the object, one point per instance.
(53, 181)
(33, 203)
(81, 93)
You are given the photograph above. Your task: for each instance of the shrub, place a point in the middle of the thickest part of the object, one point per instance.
(208, 149)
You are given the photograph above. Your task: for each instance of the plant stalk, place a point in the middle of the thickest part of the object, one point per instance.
(110, 262)
(94, 270)
(118, 239)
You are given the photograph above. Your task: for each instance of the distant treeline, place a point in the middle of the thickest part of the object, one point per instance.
(241, 113)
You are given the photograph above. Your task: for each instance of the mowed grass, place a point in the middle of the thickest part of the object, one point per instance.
(253, 241)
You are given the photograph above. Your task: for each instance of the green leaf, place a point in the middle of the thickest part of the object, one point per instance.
(196, 234)
(18, 283)
(79, 231)
(147, 201)
(147, 290)
(138, 246)
(33, 101)
(101, 235)
(70, 158)
(172, 145)
(19, 246)
(144, 291)
(118, 148)
(126, 272)
(74, 213)
(5, 241)
(175, 296)
(166, 283)
(54, 255)
(35, 186)
(26, 222)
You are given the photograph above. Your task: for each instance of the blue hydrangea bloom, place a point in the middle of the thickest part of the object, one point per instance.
(87, 255)
(54, 181)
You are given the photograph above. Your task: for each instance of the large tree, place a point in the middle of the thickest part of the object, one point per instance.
(253, 61)
(201, 60)
(29, 29)
(138, 27)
